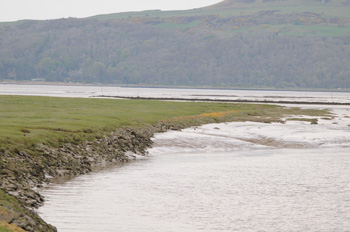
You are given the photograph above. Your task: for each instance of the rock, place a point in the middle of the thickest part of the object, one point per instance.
(10, 187)
(24, 222)
(24, 171)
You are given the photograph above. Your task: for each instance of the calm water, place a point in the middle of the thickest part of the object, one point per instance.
(219, 177)
(266, 190)
(93, 91)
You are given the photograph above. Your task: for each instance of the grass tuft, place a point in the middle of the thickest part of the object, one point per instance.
(311, 120)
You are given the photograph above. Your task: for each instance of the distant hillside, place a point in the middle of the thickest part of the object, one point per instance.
(236, 43)
(229, 4)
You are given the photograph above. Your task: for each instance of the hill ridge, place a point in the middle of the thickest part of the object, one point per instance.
(253, 3)
(274, 46)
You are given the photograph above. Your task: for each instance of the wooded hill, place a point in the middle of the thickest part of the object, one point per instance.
(236, 43)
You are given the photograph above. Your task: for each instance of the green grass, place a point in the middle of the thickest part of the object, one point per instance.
(9, 207)
(311, 120)
(9, 202)
(296, 30)
(3, 229)
(17, 22)
(329, 10)
(284, 29)
(319, 30)
(179, 25)
(26, 121)
(332, 9)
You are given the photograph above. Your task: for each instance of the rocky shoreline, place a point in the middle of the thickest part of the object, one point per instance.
(27, 168)
(22, 174)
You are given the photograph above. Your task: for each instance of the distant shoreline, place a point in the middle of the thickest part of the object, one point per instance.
(168, 87)
(226, 100)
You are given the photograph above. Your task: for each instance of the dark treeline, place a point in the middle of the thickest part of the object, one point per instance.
(121, 52)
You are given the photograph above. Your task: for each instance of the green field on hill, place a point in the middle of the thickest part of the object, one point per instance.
(281, 44)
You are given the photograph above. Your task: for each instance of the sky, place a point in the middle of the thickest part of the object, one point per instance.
(13, 10)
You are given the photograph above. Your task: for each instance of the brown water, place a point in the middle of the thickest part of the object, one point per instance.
(213, 178)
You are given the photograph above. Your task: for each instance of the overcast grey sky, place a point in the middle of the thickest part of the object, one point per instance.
(12, 10)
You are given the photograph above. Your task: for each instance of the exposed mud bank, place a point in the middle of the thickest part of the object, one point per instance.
(297, 102)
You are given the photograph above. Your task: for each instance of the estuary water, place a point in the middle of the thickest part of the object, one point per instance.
(219, 177)
(241, 176)
(217, 94)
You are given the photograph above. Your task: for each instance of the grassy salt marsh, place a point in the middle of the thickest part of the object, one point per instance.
(31, 120)
(31, 126)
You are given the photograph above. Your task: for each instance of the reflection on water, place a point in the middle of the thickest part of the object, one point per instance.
(266, 190)
(218, 94)
(213, 178)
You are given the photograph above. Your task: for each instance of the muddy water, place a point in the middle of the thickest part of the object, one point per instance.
(217, 94)
(219, 177)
